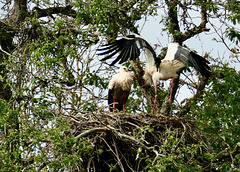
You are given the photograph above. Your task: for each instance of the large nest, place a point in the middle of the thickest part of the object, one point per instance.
(129, 142)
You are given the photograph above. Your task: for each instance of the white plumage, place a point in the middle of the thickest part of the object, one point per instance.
(119, 88)
(177, 57)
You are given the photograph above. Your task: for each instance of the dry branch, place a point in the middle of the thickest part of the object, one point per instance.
(225, 154)
(91, 131)
(38, 12)
(198, 94)
(200, 28)
(150, 93)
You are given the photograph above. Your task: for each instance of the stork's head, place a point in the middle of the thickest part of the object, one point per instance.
(124, 69)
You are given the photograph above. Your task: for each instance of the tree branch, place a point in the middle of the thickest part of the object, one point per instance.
(71, 80)
(19, 11)
(88, 132)
(173, 20)
(199, 92)
(38, 13)
(148, 92)
(118, 135)
(200, 28)
(223, 154)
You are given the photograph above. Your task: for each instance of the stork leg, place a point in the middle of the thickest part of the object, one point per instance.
(123, 105)
(170, 98)
(145, 85)
(154, 105)
(113, 104)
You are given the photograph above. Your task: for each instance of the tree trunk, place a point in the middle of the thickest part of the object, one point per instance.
(19, 11)
(8, 29)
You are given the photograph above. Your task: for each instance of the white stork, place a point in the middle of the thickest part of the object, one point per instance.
(119, 88)
(177, 57)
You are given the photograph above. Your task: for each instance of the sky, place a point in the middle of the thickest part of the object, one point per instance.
(202, 43)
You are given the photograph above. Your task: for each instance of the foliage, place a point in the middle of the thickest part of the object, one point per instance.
(53, 113)
(218, 111)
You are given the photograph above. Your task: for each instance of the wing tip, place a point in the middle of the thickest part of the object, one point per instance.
(200, 64)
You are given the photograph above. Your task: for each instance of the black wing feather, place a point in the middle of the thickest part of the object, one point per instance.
(109, 50)
(123, 55)
(112, 48)
(187, 56)
(126, 54)
(109, 56)
(107, 47)
(128, 48)
(135, 52)
(199, 63)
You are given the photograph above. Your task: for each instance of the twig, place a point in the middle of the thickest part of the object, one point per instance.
(118, 159)
(5, 51)
(223, 154)
(94, 130)
(199, 92)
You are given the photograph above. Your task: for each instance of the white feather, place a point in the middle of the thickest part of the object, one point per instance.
(123, 79)
(150, 68)
(169, 69)
(172, 49)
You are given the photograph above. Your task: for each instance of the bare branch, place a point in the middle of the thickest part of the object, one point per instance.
(150, 93)
(199, 92)
(173, 20)
(200, 28)
(93, 130)
(5, 52)
(224, 155)
(71, 80)
(19, 11)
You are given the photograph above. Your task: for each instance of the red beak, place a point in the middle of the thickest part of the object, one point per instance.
(131, 74)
